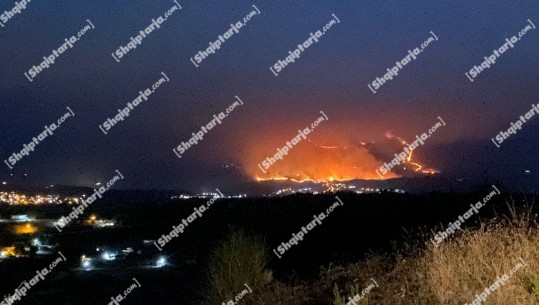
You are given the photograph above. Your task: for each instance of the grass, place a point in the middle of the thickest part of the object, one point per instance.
(237, 261)
(453, 273)
(456, 271)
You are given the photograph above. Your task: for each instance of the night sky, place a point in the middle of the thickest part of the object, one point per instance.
(331, 76)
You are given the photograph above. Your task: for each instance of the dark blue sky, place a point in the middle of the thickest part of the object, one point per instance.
(332, 75)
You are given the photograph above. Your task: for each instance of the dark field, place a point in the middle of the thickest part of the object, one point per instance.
(373, 222)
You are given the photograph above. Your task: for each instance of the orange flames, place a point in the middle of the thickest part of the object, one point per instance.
(418, 167)
(310, 162)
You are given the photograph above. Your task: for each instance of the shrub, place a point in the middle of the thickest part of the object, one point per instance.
(237, 261)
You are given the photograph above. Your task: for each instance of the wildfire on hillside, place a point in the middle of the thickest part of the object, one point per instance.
(311, 162)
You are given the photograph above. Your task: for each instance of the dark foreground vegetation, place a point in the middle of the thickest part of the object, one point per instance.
(385, 237)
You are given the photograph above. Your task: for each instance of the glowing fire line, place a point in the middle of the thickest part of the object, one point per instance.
(304, 174)
(409, 157)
